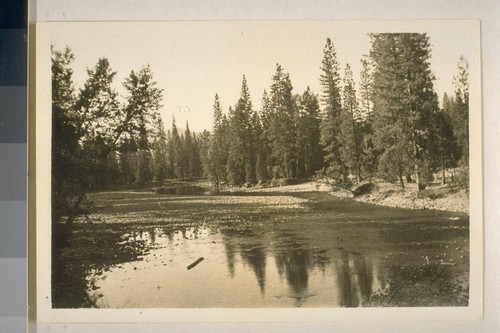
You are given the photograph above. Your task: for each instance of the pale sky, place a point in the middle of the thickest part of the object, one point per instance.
(192, 61)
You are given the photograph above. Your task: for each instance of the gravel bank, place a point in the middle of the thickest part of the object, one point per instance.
(448, 201)
(439, 197)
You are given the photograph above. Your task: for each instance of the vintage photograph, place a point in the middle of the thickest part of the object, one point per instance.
(260, 164)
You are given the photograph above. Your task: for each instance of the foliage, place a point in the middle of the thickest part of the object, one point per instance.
(217, 153)
(331, 119)
(309, 152)
(89, 128)
(460, 116)
(392, 125)
(403, 101)
(65, 147)
(351, 138)
(241, 155)
(281, 121)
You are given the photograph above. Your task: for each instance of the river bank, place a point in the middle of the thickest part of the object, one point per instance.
(438, 197)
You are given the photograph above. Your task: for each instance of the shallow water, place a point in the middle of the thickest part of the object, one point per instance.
(308, 262)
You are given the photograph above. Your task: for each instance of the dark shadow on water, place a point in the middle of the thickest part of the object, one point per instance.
(90, 247)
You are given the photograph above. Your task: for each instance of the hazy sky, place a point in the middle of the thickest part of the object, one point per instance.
(192, 61)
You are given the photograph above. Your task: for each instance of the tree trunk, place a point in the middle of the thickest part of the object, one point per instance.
(418, 178)
(443, 170)
(74, 210)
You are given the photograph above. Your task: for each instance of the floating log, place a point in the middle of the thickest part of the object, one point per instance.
(448, 263)
(200, 259)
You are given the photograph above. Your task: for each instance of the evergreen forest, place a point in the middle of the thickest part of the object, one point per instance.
(391, 125)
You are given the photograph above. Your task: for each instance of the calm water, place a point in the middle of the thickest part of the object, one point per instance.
(305, 263)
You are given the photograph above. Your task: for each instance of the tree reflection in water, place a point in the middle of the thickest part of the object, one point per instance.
(252, 249)
(230, 247)
(355, 277)
(253, 268)
(295, 265)
(354, 274)
(255, 256)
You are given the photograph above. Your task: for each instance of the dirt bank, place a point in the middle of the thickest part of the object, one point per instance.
(439, 197)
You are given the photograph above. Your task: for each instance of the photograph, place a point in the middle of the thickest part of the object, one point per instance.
(258, 165)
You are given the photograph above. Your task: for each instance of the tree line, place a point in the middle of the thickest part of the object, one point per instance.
(391, 126)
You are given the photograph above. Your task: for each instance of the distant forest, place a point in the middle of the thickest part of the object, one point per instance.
(388, 125)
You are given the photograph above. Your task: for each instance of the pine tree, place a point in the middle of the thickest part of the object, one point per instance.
(218, 154)
(235, 159)
(404, 102)
(350, 138)
(195, 156)
(309, 152)
(365, 89)
(265, 159)
(461, 107)
(368, 157)
(241, 159)
(170, 155)
(281, 124)
(203, 142)
(176, 150)
(459, 113)
(159, 153)
(261, 149)
(444, 150)
(331, 120)
(189, 151)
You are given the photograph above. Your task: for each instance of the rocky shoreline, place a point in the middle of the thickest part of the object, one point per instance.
(457, 202)
(438, 197)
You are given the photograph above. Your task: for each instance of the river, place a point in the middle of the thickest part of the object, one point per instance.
(338, 253)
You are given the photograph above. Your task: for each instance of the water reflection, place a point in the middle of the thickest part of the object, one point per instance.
(355, 277)
(295, 265)
(255, 257)
(152, 235)
(230, 248)
(245, 268)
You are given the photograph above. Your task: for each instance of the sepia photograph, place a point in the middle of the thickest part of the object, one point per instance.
(258, 165)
